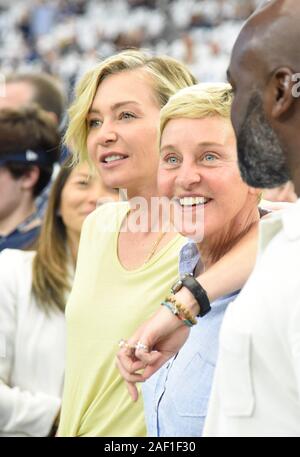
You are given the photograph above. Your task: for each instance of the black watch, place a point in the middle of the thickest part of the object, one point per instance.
(196, 289)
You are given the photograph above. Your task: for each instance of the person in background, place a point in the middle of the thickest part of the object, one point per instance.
(29, 147)
(23, 89)
(34, 286)
(284, 193)
(123, 272)
(46, 91)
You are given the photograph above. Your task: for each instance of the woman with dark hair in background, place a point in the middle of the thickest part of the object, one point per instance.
(34, 287)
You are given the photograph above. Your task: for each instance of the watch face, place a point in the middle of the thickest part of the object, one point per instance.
(176, 287)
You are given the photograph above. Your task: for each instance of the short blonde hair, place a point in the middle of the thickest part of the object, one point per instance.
(197, 102)
(168, 76)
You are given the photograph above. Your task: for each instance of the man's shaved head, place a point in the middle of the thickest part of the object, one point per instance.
(265, 57)
(272, 33)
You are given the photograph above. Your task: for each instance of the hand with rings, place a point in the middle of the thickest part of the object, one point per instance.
(141, 347)
(138, 346)
(153, 343)
(129, 363)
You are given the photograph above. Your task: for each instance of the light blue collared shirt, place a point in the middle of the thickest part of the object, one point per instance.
(176, 397)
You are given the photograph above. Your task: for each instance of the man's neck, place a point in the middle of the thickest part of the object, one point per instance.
(13, 220)
(296, 180)
(292, 153)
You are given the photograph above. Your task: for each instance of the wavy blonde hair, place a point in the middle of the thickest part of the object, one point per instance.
(168, 76)
(197, 102)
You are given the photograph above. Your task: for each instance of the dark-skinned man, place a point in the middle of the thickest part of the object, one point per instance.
(256, 390)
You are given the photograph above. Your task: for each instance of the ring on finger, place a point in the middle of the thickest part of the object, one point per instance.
(141, 346)
(124, 344)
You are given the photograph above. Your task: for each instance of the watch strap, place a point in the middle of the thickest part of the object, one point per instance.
(198, 292)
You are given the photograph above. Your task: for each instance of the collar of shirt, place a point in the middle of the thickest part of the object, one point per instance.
(291, 221)
(287, 220)
(28, 224)
(189, 256)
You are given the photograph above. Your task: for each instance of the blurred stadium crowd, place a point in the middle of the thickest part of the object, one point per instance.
(65, 37)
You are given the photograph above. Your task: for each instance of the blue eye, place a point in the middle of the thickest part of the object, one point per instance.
(172, 160)
(209, 157)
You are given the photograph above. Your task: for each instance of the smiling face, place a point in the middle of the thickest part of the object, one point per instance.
(80, 195)
(199, 160)
(122, 131)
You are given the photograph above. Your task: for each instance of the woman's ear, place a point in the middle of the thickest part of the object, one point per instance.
(279, 92)
(253, 191)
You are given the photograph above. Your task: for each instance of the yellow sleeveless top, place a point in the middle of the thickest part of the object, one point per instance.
(108, 303)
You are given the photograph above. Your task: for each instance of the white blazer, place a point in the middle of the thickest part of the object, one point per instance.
(32, 352)
(256, 389)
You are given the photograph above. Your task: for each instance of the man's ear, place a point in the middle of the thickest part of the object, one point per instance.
(52, 116)
(279, 93)
(30, 178)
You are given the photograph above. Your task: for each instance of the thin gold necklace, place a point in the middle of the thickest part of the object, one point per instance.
(160, 237)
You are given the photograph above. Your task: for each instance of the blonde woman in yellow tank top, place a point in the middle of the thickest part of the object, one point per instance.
(122, 273)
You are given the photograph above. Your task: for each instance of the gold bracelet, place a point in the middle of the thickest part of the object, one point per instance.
(182, 311)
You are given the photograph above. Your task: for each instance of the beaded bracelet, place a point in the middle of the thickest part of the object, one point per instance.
(183, 315)
(173, 310)
(181, 309)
